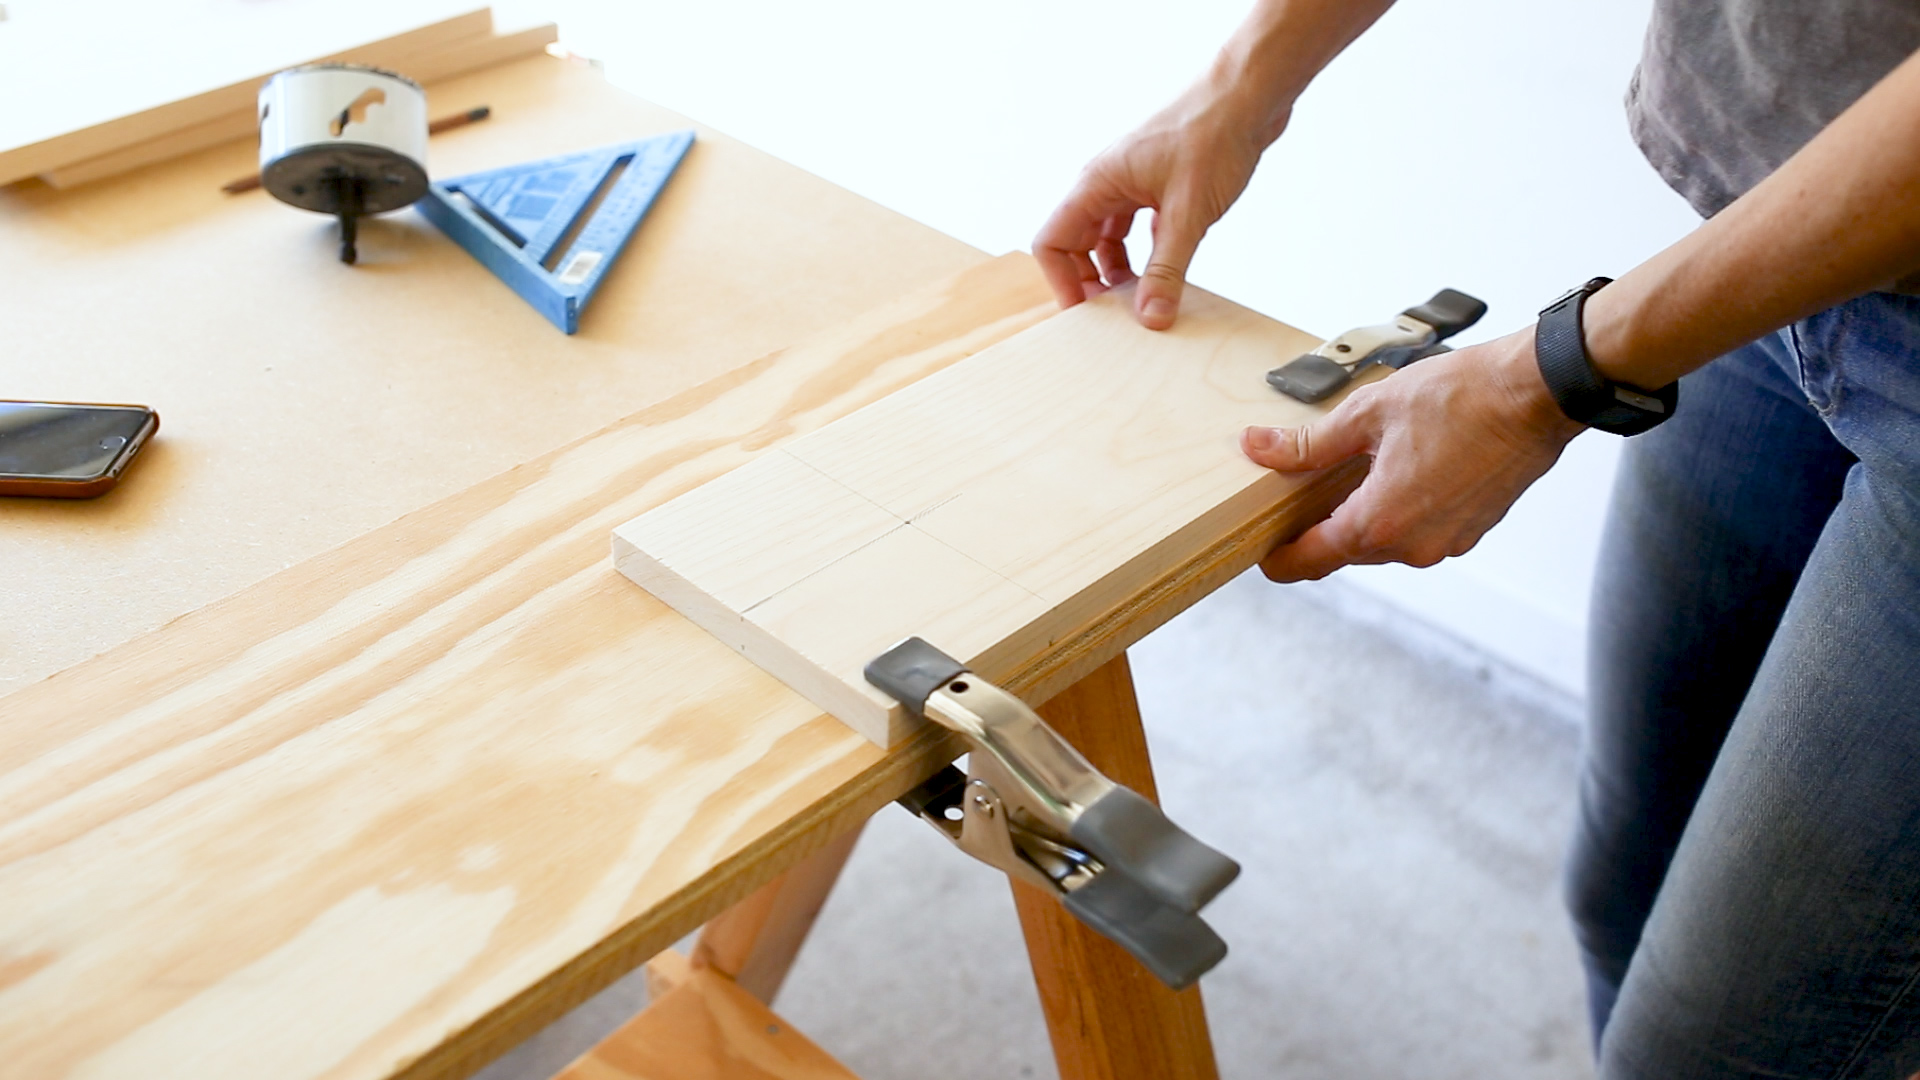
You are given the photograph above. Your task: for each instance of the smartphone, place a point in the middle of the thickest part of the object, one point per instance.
(69, 451)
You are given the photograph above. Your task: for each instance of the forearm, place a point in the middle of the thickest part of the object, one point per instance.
(1278, 50)
(1840, 218)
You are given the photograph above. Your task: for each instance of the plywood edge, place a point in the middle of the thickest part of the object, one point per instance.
(729, 881)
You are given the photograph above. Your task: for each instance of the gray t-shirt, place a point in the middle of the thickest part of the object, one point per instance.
(1728, 90)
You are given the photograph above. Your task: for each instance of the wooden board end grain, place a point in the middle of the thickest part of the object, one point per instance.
(1055, 490)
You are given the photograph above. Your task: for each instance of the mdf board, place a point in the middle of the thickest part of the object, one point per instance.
(392, 810)
(994, 509)
(304, 402)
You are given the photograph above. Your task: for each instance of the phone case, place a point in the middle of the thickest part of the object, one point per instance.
(85, 487)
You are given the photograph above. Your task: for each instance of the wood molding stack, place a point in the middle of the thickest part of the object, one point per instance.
(432, 53)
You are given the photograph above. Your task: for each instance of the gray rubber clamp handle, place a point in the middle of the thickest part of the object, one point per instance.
(1133, 838)
(1449, 312)
(1177, 947)
(911, 671)
(1309, 378)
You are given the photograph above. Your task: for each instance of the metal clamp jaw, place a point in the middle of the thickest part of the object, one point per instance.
(1415, 334)
(1033, 807)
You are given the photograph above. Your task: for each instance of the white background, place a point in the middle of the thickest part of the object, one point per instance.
(1477, 144)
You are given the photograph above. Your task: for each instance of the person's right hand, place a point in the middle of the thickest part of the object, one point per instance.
(1187, 164)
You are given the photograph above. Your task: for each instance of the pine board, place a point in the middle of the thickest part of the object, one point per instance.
(994, 509)
(390, 811)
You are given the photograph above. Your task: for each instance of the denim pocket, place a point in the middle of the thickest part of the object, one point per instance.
(1819, 371)
(1859, 366)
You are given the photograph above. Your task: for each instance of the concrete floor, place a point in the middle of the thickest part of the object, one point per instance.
(1399, 804)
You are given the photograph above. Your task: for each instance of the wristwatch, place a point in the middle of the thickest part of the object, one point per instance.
(1585, 395)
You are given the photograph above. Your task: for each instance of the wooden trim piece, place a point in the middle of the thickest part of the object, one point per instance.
(218, 131)
(1109, 1019)
(459, 58)
(756, 941)
(105, 138)
(706, 1028)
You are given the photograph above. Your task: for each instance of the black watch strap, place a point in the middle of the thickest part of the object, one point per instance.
(1586, 396)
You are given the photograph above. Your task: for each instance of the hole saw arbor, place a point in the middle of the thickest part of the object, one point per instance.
(1020, 499)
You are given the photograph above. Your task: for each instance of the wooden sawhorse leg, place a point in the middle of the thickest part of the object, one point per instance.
(755, 942)
(706, 1016)
(1108, 1017)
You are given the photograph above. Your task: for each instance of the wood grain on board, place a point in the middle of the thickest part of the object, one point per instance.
(392, 810)
(458, 57)
(706, 1028)
(996, 509)
(33, 149)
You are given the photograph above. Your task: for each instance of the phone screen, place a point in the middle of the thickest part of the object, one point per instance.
(66, 442)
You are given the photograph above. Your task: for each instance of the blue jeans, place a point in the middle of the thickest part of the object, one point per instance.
(1745, 873)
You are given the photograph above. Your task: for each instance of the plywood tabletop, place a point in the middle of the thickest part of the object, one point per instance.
(388, 812)
(303, 402)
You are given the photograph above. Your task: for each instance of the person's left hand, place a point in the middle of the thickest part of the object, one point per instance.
(1454, 439)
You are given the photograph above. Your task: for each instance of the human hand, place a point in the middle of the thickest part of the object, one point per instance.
(1454, 439)
(1187, 164)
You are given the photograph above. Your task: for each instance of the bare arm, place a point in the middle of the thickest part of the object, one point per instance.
(1189, 162)
(1457, 438)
